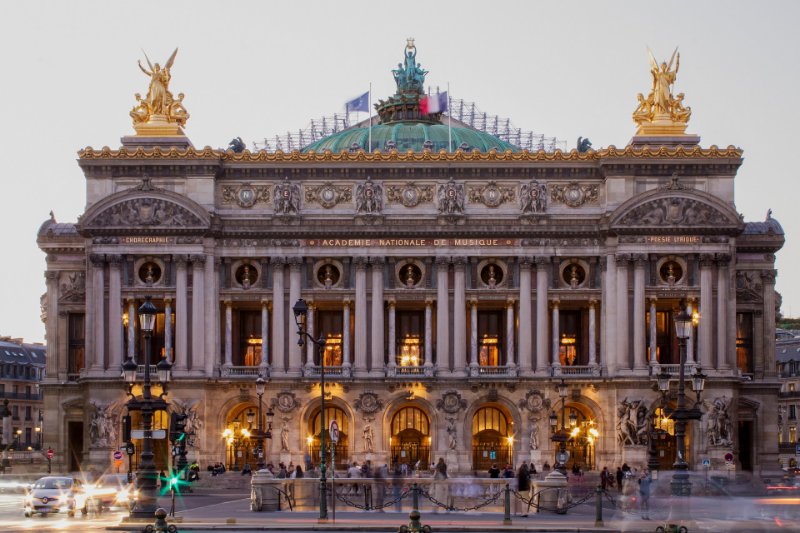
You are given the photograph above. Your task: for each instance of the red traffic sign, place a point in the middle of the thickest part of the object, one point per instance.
(50, 453)
(729, 457)
(117, 455)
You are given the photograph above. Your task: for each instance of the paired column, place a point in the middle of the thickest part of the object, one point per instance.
(623, 343)
(768, 282)
(510, 333)
(51, 278)
(556, 337)
(690, 342)
(542, 263)
(706, 326)
(654, 333)
(115, 326)
(392, 335)
(295, 355)
(722, 314)
(264, 336)
(279, 316)
(525, 337)
(442, 314)
(99, 311)
(428, 332)
(228, 333)
(168, 330)
(377, 351)
(361, 315)
(473, 333)
(346, 333)
(131, 329)
(639, 338)
(592, 333)
(459, 316)
(211, 314)
(198, 313)
(610, 314)
(181, 312)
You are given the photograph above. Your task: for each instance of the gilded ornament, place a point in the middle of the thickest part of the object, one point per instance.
(159, 113)
(661, 112)
(328, 195)
(491, 194)
(574, 194)
(245, 195)
(410, 194)
(451, 198)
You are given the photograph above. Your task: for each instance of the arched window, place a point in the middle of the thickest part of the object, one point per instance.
(490, 438)
(410, 440)
(314, 438)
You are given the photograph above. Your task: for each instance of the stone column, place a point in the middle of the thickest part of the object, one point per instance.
(392, 335)
(768, 281)
(228, 333)
(131, 328)
(295, 355)
(592, 333)
(473, 333)
(279, 316)
(311, 330)
(722, 314)
(541, 315)
(361, 315)
(115, 326)
(706, 326)
(556, 339)
(378, 349)
(198, 314)
(99, 312)
(525, 318)
(442, 314)
(168, 330)
(459, 317)
(623, 318)
(181, 315)
(690, 307)
(610, 315)
(52, 330)
(510, 334)
(428, 332)
(639, 338)
(210, 319)
(264, 365)
(653, 332)
(346, 333)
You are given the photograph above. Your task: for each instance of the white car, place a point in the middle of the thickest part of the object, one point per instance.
(54, 494)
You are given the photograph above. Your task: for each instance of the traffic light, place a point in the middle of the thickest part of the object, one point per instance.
(126, 428)
(177, 427)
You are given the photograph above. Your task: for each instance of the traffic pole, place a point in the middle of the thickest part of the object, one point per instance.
(598, 507)
(507, 507)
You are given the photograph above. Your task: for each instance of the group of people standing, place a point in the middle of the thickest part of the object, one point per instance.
(628, 482)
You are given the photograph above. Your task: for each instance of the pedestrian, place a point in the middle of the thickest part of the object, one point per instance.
(246, 470)
(605, 478)
(354, 472)
(644, 494)
(494, 472)
(380, 487)
(440, 488)
(523, 487)
(298, 472)
(508, 472)
(620, 477)
(397, 487)
(546, 467)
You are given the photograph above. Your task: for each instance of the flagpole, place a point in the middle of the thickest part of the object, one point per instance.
(449, 121)
(369, 148)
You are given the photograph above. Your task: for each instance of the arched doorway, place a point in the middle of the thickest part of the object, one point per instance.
(665, 438)
(411, 437)
(492, 438)
(583, 434)
(314, 439)
(239, 428)
(160, 445)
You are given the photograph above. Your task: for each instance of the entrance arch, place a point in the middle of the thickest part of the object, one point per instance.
(583, 434)
(240, 424)
(410, 437)
(491, 437)
(314, 439)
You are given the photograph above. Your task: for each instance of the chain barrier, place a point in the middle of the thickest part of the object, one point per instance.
(561, 509)
(617, 505)
(489, 501)
(370, 507)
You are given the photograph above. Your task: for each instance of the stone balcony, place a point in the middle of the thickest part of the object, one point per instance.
(314, 371)
(575, 371)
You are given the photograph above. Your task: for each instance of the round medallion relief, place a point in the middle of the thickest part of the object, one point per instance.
(492, 275)
(150, 272)
(671, 272)
(410, 275)
(573, 275)
(246, 275)
(328, 275)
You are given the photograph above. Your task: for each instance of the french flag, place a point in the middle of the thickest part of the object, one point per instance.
(434, 103)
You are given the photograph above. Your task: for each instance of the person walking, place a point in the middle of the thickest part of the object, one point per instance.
(644, 494)
(523, 488)
(620, 477)
(605, 478)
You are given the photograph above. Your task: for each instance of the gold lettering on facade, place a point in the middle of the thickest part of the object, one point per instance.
(147, 240)
(674, 239)
(411, 243)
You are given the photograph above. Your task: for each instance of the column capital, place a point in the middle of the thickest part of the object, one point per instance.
(277, 262)
(459, 262)
(197, 259)
(114, 260)
(639, 260)
(391, 302)
(360, 262)
(525, 263)
(442, 261)
(723, 259)
(510, 302)
(180, 260)
(346, 302)
(97, 260)
(593, 303)
(266, 302)
(706, 260)
(428, 302)
(473, 302)
(377, 262)
(622, 260)
(228, 302)
(769, 275)
(295, 263)
(554, 303)
(652, 299)
(542, 261)
(167, 300)
(691, 300)
(50, 274)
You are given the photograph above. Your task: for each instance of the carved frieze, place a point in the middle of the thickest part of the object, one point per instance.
(533, 198)
(328, 195)
(245, 195)
(72, 287)
(491, 194)
(287, 198)
(451, 198)
(410, 194)
(674, 211)
(748, 286)
(261, 242)
(368, 403)
(568, 241)
(369, 198)
(146, 212)
(451, 402)
(574, 194)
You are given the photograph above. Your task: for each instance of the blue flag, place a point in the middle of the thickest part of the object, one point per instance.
(358, 104)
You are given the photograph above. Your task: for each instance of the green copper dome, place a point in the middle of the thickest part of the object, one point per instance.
(412, 136)
(404, 125)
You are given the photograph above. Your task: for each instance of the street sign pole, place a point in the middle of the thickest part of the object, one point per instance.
(333, 429)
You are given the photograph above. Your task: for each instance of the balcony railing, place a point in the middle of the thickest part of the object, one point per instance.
(787, 447)
(567, 371)
(394, 371)
(789, 394)
(33, 396)
(243, 371)
(314, 371)
(501, 371)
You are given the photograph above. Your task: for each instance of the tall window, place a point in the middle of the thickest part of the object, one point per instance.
(249, 351)
(314, 438)
(76, 344)
(571, 345)
(667, 351)
(490, 443)
(490, 338)
(410, 328)
(744, 342)
(410, 441)
(329, 323)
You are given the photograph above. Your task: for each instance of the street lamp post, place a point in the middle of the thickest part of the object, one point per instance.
(560, 437)
(261, 385)
(146, 476)
(300, 310)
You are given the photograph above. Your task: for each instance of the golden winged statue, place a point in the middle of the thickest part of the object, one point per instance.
(159, 113)
(661, 112)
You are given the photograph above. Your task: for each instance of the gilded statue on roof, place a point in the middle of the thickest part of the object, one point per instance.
(662, 112)
(159, 112)
(409, 74)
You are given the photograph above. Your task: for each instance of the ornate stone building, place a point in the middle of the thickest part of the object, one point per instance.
(455, 278)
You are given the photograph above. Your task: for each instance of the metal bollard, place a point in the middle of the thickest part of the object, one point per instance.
(507, 507)
(598, 507)
(414, 525)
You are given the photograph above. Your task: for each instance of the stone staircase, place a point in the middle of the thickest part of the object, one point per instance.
(233, 482)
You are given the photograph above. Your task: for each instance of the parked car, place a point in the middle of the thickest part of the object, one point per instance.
(111, 491)
(55, 494)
